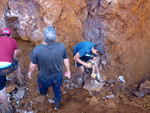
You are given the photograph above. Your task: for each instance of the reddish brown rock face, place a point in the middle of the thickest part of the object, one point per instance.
(121, 25)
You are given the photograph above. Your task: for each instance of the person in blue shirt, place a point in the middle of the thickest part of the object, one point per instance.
(83, 52)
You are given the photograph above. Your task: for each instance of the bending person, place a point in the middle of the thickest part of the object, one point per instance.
(84, 51)
(8, 63)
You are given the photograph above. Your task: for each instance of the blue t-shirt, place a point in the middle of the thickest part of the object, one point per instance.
(84, 48)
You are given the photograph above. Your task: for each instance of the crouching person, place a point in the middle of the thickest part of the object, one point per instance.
(86, 51)
(49, 56)
(8, 63)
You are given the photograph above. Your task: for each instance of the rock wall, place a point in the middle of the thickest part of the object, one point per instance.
(122, 26)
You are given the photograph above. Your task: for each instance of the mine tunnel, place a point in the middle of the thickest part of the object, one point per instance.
(121, 26)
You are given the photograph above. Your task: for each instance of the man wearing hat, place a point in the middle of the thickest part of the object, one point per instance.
(8, 63)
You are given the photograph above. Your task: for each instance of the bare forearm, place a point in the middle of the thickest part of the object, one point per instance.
(32, 67)
(77, 59)
(93, 69)
(67, 64)
(15, 54)
(80, 61)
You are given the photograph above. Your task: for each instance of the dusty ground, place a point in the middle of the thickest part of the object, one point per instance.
(77, 100)
(122, 27)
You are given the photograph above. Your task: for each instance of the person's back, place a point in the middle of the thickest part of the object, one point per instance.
(84, 47)
(49, 57)
(7, 47)
(8, 63)
(50, 60)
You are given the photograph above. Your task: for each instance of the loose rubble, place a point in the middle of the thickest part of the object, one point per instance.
(111, 94)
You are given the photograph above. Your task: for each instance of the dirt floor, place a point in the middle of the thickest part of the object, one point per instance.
(76, 100)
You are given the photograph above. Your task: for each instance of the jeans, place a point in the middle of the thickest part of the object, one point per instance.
(56, 86)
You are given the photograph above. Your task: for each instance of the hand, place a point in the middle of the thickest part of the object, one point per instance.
(67, 74)
(29, 75)
(88, 65)
(93, 75)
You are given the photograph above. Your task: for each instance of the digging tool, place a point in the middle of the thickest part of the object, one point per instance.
(93, 75)
(92, 62)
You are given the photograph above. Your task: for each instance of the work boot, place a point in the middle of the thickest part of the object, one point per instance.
(80, 82)
(51, 101)
(21, 84)
(56, 109)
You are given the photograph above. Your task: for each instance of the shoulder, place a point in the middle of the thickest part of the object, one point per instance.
(60, 44)
(38, 47)
(85, 43)
(13, 40)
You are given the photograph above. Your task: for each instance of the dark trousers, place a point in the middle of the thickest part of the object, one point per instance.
(5, 71)
(56, 86)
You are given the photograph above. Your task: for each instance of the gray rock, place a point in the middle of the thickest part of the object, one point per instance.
(145, 87)
(76, 86)
(104, 62)
(67, 86)
(20, 93)
(72, 85)
(111, 81)
(110, 96)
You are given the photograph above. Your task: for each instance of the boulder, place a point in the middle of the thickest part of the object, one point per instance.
(92, 86)
(93, 102)
(87, 100)
(111, 106)
(145, 87)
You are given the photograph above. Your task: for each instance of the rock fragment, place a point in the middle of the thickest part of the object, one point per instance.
(145, 87)
(111, 106)
(10, 88)
(111, 81)
(87, 100)
(40, 99)
(20, 93)
(93, 102)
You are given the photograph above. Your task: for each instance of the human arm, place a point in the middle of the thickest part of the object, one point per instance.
(31, 69)
(67, 65)
(15, 54)
(95, 67)
(77, 58)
